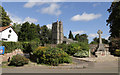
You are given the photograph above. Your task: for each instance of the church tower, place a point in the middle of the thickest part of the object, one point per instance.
(60, 32)
(57, 32)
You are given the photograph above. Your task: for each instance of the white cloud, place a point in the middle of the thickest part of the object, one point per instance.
(52, 9)
(16, 19)
(32, 4)
(30, 20)
(85, 17)
(92, 35)
(79, 32)
(49, 26)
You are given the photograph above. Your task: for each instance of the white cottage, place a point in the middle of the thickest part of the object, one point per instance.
(8, 34)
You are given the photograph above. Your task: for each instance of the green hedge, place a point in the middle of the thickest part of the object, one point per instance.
(18, 60)
(10, 46)
(51, 56)
(27, 47)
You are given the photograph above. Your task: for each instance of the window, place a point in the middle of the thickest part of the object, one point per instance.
(3, 39)
(10, 31)
(9, 36)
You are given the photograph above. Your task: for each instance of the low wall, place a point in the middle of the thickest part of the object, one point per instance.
(8, 56)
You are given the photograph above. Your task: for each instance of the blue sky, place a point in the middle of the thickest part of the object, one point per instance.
(79, 17)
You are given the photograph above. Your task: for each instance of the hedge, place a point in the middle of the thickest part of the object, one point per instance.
(27, 47)
(11, 46)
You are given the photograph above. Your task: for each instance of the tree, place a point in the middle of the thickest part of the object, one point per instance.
(29, 32)
(4, 18)
(16, 27)
(81, 38)
(96, 41)
(24, 32)
(71, 35)
(32, 34)
(45, 35)
(38, 29)
(77, 37)
(113, 22)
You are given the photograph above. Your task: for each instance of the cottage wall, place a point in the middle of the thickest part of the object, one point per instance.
(9, 34)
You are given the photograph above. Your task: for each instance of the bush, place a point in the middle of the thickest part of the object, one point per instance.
(10, 46)
(63, 47)
(84, 46)
(29, 46)
(51, 56)
(81, 54)
(73, 48)
(117, 52)
(18, 60)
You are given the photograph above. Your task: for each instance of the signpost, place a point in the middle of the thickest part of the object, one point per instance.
(2, 50)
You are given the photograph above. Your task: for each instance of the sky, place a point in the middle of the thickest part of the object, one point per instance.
(79, 17)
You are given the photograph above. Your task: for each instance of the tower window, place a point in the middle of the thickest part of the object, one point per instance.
(9, 36)
(10, 31)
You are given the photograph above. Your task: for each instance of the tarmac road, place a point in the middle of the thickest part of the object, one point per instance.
(89, 67)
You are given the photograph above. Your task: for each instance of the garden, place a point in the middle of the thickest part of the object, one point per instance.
(46, 55)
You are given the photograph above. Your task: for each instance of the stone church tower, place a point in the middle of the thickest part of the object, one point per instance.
(57, 32)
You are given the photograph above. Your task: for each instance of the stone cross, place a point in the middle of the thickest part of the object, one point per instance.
(100, 39)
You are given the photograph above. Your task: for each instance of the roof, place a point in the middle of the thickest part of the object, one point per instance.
(69, 40)
(3, 28)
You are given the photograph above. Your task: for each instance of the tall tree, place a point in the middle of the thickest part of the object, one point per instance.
(32, 32)
(83, 38)
(77, 37)
(114, 19)
(44, 35)
(114, 23)
(71, 35)
(24, 32)
(16, 27)
(4, 18)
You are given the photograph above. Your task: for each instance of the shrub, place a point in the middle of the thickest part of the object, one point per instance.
(51, 56)
(18, 60)
(84, 46)
(63, 47)
(73, 48)
(29, 46)
(81, 54)
(117, 52)
(10, 46)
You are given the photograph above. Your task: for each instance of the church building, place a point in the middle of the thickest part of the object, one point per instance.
(57, 34)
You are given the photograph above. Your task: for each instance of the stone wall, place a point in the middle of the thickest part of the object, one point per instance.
(8, 56)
